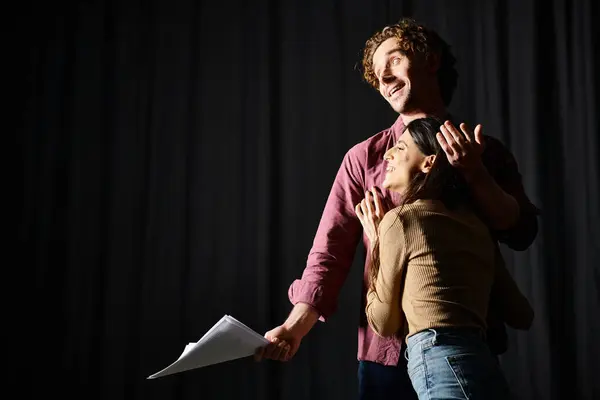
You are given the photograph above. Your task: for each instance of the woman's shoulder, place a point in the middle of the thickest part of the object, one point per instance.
(414, 210)
(422, 210)
(400, 217)
(390, 219)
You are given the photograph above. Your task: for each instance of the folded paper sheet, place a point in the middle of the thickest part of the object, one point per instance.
(227, 340)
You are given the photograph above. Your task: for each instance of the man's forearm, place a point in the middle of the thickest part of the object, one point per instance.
(499, 208)
(301, 319)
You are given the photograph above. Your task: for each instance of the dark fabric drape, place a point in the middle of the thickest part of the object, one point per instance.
(176, 157)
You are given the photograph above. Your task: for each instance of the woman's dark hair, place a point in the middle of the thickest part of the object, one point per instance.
(443, 182)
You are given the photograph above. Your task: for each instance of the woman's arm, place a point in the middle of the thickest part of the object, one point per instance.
(383, 309)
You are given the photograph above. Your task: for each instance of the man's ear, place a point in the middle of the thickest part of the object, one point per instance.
(427, 164)
(432, 62)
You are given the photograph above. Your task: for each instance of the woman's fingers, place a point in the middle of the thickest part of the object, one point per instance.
(378, 205)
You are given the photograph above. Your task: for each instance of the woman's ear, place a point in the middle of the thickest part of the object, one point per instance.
(427, 164)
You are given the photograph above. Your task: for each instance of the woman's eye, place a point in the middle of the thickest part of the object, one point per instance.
(395, 60)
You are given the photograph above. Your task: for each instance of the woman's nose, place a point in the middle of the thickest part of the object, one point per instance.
(388, 154)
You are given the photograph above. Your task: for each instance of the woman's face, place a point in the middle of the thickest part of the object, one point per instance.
(404, 162)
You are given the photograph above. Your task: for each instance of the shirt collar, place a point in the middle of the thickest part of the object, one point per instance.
(398, 128)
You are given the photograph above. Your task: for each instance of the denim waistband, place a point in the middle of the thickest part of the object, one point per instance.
(448, 335)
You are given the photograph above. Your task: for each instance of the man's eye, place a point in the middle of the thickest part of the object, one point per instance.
(395, 60)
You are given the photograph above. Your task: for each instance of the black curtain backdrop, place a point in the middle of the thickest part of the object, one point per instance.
(177, 155)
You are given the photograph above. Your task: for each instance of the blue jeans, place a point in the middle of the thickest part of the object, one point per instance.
(380, 382)
(454, 363)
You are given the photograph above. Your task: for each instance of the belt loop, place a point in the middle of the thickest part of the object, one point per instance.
(434, 339)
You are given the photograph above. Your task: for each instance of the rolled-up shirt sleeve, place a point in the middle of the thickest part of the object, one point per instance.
(335, 242)
(504, 169)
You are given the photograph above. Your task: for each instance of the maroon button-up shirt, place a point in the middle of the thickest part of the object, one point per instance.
(339, 231)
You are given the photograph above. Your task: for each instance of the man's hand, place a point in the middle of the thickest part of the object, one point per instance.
(463, 149)
(285, 339)
(370, 212)
(284, 345)
(500, 209)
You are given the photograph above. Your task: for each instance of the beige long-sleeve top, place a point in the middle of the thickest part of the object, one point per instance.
(449, 262)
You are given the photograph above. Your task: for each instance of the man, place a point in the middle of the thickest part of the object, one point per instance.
(413, 69)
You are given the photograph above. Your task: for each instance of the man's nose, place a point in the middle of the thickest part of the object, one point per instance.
(387, 77)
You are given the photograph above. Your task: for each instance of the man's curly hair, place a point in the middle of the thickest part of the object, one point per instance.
(414, 38)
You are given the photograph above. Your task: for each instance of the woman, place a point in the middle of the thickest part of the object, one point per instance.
(434, 263)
